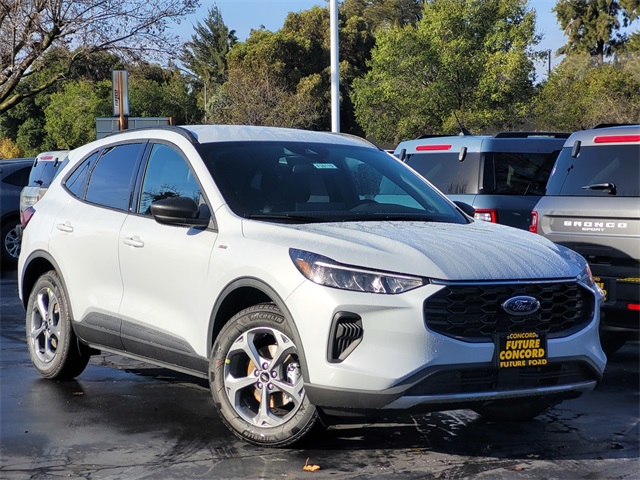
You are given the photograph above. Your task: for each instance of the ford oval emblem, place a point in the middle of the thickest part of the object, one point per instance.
(521, 305)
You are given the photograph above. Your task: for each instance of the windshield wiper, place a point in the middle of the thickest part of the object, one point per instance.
(288, 217)
(390, 217)
(610, 187)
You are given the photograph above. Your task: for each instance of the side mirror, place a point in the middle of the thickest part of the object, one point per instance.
(465, 207)
(178, 211)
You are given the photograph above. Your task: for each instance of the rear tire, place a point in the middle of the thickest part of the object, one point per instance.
(256, 381)
(513, 412)
(53, 347)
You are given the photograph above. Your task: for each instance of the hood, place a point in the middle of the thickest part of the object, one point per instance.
(474, 252)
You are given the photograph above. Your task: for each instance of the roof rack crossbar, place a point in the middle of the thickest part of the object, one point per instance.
(531, 134)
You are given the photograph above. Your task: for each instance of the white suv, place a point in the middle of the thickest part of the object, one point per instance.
(307, 275)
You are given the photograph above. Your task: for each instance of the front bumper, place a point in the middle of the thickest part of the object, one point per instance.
(462, 386)
(400, 363)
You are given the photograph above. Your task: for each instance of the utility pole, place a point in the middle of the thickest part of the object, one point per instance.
(335, 67)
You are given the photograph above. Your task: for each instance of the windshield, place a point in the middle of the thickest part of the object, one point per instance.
(304, 182)
(597, 171)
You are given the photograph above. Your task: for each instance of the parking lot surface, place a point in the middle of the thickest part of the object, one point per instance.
(127, 420)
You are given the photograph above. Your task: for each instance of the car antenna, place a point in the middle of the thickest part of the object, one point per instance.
(463, 131)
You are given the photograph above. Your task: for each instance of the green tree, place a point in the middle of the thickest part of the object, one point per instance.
(206, 53)
(29, 30)
(70, 117)
(162, 92)
(384, 13)
(292, 66)
(465, 60)
(261, 98)
(594, 26)
(25, 123)
(579, 94)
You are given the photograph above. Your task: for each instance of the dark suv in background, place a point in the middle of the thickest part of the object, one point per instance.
(592, 205)
(14, 174)
(501, 176)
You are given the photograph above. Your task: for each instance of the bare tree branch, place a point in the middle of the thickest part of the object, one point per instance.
(30, 28)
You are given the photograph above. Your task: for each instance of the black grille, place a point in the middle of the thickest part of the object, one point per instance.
(474, 312)
(477, 380)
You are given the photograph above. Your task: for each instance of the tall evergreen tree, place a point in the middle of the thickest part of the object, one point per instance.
(594, 26)
(206, 53)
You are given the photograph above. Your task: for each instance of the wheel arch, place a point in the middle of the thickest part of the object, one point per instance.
(243, 293)
(39, 262)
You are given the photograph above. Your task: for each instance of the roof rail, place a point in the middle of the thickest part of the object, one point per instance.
(531, 134)
(171, 128)
(421, 137)
(606, 125)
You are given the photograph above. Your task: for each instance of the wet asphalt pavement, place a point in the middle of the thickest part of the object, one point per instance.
(128, 420)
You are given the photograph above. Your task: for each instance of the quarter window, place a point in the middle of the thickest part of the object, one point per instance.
(78, 180)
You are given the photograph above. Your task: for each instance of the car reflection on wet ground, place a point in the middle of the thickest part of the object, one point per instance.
(126, 419)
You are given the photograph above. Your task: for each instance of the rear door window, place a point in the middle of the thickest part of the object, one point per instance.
(510, 173)
(106, 178)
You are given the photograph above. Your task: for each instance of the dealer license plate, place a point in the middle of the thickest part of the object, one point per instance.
(523, 349)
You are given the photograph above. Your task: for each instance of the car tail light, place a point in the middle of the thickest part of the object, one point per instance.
(486, 214)
(616, 138)
(533, 227)
(26, 216)
(634, 306)
(422, 148)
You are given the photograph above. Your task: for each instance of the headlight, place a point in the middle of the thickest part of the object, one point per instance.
(327, 272)
(586, 278)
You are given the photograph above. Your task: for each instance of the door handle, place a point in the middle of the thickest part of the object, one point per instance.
(65, 227)
(133, 242)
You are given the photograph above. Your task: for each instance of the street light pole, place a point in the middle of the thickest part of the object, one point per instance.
(335, 67)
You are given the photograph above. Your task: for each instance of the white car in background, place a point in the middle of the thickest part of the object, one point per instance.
(45, 167)
(306, 275)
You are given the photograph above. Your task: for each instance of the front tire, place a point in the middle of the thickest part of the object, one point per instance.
(53, 347)
(256, 379)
